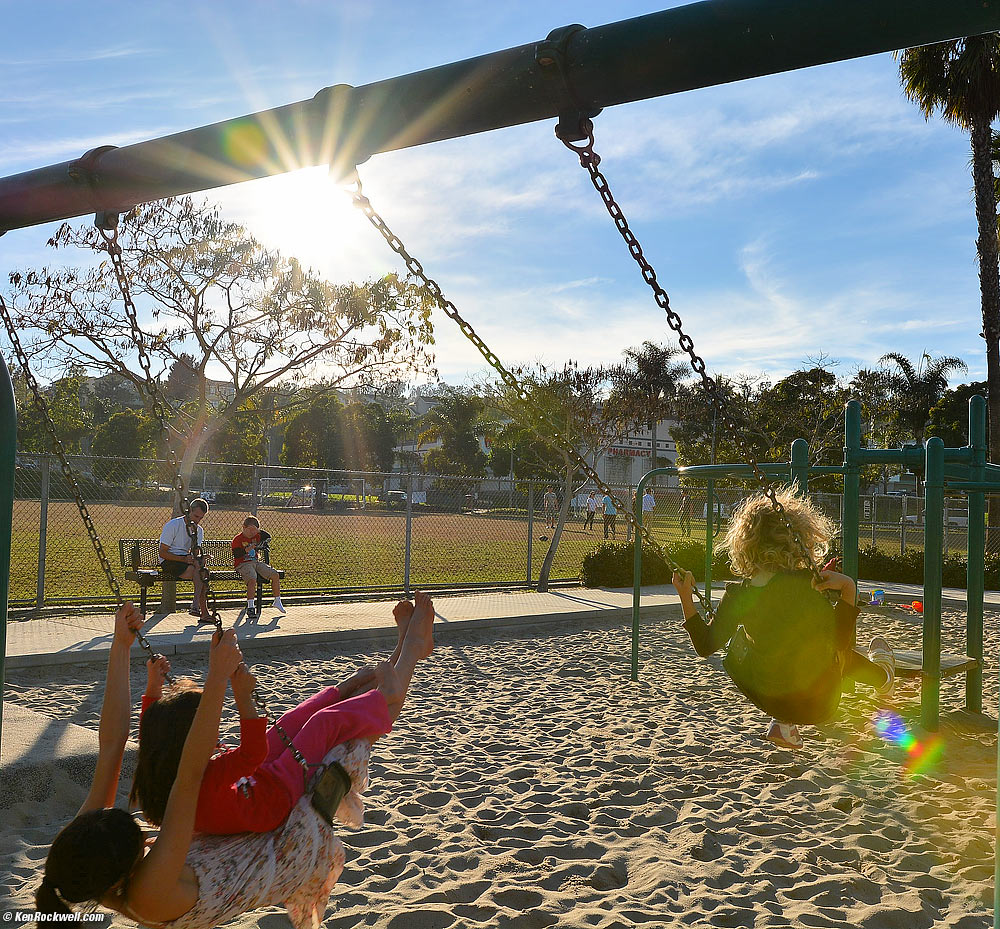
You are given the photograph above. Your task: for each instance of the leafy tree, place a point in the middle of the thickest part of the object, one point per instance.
(369, 439)
(569, 402)
(961, 79)
(457, 421)
(219, 300)
(914, 390)
(126, 435)
(182, 378)
(646, 387)
(72, 422)
(313, 436)
(949, 417)
(871, 387)
(111, 394)
(806, 404)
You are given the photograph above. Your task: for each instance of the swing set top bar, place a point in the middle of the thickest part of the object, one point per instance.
(576, 71)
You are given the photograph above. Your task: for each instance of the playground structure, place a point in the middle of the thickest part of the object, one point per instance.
(963, 470)
(571, 75)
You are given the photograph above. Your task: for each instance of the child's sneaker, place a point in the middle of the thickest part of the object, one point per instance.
(278, 605)
(880, 653)
(784, 735)
(252, 614)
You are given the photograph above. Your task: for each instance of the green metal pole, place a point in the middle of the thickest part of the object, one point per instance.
(574, 70)
(852, 487)
(637, 572)
(930, 686)
(709, 523)
(800, 465)
(976, 564)
(8, 449)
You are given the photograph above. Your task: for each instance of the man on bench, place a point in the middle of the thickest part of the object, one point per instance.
(246, 549)
(176, 560)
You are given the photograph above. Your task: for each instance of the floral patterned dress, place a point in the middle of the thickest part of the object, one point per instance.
(296, 865)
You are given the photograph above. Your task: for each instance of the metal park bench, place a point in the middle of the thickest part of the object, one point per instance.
(141, 558)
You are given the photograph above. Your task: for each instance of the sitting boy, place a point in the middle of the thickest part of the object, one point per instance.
(245, 549)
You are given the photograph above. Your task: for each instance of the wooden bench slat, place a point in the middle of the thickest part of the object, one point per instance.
(909, 663)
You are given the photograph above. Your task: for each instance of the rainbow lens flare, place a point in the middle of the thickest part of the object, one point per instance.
(920, 756)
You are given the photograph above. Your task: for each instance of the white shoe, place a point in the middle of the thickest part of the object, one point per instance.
(784, 735)
(278, 605)
(880, 653)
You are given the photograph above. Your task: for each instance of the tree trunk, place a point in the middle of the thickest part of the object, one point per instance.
(989, 283)
(543, 573)
(652, 429)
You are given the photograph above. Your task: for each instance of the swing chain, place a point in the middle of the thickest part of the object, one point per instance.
(43, 408)
(590, 160)
(416, 269)
(114, 250)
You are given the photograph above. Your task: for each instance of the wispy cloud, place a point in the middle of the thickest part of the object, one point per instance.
(76, 56)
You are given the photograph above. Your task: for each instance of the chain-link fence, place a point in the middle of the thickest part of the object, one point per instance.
(332, 531)
(340, 531)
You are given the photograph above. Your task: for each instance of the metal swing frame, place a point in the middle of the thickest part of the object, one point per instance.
(573, 73)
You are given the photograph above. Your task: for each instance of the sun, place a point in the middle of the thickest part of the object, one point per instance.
(308, 215)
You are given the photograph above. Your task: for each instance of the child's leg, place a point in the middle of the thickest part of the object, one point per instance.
(293, 721)
(863, 670)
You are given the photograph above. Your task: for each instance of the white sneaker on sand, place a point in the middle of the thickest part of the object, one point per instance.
(278, 605)
(784, 735)
(880, 653)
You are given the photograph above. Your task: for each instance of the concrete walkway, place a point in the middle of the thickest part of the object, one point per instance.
(87, 637)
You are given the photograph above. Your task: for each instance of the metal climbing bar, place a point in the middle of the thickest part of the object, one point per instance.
(576, 70)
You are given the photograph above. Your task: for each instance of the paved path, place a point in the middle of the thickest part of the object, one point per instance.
(86, 637)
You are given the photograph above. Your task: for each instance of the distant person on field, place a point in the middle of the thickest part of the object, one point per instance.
(176, 560)
(248, 546)
(550, 503)
(648, 503)
(588, 520)
(610, 517)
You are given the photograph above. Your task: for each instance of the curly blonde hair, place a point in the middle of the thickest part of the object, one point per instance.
(759, 540)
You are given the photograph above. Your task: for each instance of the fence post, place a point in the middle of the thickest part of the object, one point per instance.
(902, 529)
(43, 524)
(531, 524)
(409, 533)
(255, 490)
(874, 520)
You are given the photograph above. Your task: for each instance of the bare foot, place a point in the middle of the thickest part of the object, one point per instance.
(420, 634)
(401, 613)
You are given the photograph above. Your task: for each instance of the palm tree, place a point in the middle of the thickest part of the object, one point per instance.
(962, 80)
(645, 387)
(916, 389)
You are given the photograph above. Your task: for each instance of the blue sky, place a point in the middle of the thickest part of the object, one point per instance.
(792, 216)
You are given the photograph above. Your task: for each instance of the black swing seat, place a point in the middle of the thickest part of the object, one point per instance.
(141, 558)
(909, 663)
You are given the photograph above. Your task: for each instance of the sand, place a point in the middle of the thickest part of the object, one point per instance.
(529, 783)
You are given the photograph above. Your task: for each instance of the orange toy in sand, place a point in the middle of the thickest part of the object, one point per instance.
(917, 606)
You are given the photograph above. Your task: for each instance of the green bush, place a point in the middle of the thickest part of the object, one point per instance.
(610, 564)
(908, 567)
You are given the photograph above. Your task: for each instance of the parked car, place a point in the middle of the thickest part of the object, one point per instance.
(395, 499)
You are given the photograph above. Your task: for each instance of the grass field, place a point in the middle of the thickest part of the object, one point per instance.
(326, 551)
(317, 550)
